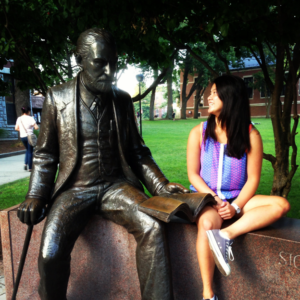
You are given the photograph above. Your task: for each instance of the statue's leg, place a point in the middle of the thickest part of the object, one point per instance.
(120, 205)
(66, 219)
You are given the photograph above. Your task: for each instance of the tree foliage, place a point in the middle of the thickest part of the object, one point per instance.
(190, 66)
(40, 34)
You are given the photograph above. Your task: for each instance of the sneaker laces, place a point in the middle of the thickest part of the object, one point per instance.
(229, 253)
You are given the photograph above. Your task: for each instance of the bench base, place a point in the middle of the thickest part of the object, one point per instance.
(266, 265)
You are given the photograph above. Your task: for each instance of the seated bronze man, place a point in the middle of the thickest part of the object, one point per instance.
(89, 130)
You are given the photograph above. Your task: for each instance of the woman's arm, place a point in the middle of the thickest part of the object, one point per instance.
(17, 127)
(36, 127)
(254, 164)
(193, 162)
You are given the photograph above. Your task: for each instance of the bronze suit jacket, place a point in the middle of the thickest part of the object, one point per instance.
(58, 140)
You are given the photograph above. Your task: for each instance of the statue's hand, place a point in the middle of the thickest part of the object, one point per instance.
(172, 188)
(32, 211)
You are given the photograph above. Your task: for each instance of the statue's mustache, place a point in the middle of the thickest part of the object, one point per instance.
(104, 79)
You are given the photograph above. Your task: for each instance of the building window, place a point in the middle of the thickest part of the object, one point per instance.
(9, 100)
(249, 85)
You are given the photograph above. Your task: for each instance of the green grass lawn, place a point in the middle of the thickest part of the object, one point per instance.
(13, 193)
(167, 141)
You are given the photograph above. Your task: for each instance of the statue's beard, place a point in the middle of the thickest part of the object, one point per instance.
(99, 85)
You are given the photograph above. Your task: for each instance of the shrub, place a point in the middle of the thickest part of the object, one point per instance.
(3, 133)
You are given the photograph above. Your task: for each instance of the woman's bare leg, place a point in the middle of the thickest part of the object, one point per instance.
(209, 219)
(260, 211)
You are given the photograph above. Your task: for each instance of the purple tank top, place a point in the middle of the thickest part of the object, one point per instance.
(225, 175)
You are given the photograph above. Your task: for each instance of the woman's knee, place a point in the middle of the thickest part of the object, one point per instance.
(207, 224)
(280, 206)
(284, 205)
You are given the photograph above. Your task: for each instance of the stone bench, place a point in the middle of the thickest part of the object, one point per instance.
(266, 265)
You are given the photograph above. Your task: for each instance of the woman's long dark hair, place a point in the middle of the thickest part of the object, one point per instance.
(235, 115)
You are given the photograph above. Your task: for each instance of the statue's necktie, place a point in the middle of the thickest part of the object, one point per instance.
(97, 107)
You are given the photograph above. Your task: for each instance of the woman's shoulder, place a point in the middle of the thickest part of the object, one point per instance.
(253, 131)
(196, 133)
(255, 138)
(198, 128)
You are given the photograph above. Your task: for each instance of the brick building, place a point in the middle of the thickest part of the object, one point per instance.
(256, 97)
(8, 116)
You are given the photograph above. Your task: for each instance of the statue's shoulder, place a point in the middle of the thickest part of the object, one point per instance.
(121, 95)
(62, 94)
(64, 87)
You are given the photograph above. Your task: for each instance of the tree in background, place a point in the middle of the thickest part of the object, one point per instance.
(190, 66)
(260, 84)
(249, 25)
(145, 104)
(40, 36)
(36, 32)
(199, 94)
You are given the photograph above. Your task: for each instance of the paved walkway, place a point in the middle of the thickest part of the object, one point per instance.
(12, 168)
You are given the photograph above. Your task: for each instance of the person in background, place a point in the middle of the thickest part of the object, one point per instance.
(25, 125)
(173, 115)
(224, 158)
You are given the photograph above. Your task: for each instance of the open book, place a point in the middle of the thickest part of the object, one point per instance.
(176, 207)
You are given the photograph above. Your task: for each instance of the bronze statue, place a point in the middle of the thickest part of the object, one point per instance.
(88, 128)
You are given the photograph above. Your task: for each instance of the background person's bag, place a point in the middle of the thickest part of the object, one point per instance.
(32, 138)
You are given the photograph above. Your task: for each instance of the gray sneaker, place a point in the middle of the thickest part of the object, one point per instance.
(221, 250)
(214, 298)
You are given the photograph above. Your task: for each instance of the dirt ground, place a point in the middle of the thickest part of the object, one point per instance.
(11, 146)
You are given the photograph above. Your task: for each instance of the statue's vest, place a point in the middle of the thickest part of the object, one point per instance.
(98, 158)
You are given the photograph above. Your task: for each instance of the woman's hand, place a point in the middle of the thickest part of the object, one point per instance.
(226, 211)
(219, 204)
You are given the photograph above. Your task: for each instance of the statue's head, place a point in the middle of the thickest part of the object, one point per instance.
(96, 54)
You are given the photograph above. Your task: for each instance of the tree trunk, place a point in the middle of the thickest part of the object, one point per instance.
(22, 99)
(268, 106)
(183, 95)
(152, 101)
(183, 87)
(197, 101)
(183, 110)
(281, 121)
(267, 101)
(170, 93)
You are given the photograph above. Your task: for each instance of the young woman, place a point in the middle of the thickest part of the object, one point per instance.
(224, 158)
(25, 125)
